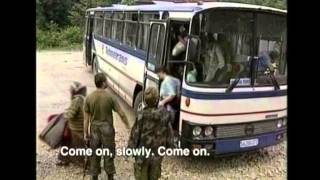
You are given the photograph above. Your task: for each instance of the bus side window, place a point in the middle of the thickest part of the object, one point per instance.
(117, 26)
(144, 28)
(107, 25)
(98, 23)
(156, 46)
(130, 29)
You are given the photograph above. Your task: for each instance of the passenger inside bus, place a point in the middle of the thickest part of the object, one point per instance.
(179, 49)
(217, 61)
(213, 59)
(178, 35)
(194, 70)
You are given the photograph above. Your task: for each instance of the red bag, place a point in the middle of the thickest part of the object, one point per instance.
(66, 132)
(51, 117)
(52, 134)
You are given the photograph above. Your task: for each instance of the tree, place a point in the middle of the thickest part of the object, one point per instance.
(77, 12)
(128, 2)
(55, 11)
(40, 20)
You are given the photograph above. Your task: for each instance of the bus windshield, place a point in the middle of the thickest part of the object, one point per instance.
(228, 39)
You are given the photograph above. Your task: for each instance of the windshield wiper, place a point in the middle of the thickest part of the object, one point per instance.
(236, 81)
(233, 85)
(253, 69)
(271, 75)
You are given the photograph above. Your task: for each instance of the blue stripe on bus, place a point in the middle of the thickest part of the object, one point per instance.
(233, 95)
(134, 52)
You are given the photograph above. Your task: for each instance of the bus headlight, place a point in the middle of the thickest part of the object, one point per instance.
(208, 131)
(279, 123)
(196, 131)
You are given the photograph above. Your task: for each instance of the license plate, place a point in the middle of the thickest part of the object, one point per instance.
(249, 143)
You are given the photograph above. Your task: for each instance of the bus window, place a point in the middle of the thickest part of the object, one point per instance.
(144, 27)
(227, 43)
(98, 23)
(271, 48)
(130, 29)
(117, 26)
(107, 25)
(156, 46)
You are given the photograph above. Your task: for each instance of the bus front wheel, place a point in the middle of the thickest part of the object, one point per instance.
(138, 103)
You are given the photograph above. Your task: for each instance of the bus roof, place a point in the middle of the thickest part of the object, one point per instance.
(187, 7)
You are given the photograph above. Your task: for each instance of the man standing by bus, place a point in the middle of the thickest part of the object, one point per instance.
(98, 110)
(169, 93)
(169, 89)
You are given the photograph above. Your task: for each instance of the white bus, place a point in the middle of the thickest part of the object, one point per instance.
(236, 99)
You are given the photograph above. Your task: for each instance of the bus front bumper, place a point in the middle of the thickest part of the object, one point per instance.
(236, 145)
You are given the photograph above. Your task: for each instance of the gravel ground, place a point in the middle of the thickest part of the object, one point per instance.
(57, 69)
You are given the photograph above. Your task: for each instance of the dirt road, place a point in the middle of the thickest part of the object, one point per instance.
(55, 72)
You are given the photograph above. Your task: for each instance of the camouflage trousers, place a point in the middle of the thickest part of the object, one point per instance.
(75, 141)
(102, 136)
(147, 169)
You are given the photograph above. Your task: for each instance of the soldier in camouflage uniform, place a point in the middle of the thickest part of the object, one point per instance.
(74, 117)
(152, 129)
(98, 109)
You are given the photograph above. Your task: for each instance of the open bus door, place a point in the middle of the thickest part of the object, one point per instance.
(88, 38)
(156, 53)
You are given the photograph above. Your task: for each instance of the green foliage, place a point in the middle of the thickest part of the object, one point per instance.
(60, 23)
(53, 10)
(77, 11)
(128, 2)
(55, 37)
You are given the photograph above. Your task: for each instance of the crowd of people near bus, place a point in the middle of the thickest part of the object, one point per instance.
(91, 123)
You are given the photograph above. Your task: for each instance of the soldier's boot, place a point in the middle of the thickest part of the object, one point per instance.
(110, 176)
(94, 177)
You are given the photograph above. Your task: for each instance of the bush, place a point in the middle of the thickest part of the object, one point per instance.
(53, 37)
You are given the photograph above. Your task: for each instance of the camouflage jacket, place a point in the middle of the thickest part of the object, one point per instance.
(74, 113)
(152, 129)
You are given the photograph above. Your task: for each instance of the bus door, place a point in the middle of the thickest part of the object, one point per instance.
(156, 53)
(88, 38)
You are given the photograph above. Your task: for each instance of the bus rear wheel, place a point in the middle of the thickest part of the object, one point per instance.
(137, 106)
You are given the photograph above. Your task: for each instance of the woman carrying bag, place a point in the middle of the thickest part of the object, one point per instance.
(74, 118)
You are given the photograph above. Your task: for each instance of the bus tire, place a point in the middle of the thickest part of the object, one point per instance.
(95, 66)
(137, 106)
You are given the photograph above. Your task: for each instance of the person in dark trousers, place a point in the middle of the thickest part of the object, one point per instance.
(151, 130)
(98, 109)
